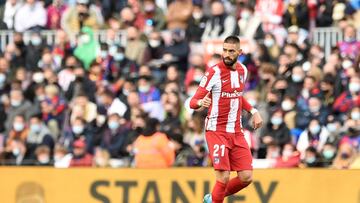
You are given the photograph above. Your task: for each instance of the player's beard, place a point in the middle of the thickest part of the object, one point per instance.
(229, 62)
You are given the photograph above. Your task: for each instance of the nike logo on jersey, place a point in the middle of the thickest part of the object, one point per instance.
(224, 81)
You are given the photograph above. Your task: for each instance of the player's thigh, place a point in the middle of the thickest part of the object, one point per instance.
(240, 156)
(218, 150)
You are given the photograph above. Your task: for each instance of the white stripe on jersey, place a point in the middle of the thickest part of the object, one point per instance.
(215, 78)
(216, 92)
(234, 103)
(245, 73)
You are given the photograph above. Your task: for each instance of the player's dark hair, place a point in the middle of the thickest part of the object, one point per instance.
(232, 39)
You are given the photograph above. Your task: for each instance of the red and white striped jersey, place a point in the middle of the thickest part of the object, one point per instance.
(226, 87)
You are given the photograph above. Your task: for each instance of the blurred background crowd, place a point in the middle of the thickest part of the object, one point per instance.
(122, 100)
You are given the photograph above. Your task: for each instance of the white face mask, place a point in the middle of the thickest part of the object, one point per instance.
(306, 66)
(315, 129)
(16, 151)
(15, 103)
(287, 153)
(354, 87)
(245, 15)
(197, 15)
(355, 115)
(44, 159)
(38, 77)
(144, 89)
(297, 78)
(346, 64)
(269, 42)
(314, 109)
(154, 43)
(18, 127)
(287, 105)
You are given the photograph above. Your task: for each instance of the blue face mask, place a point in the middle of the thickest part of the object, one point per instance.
(315, 129)
(328, 154)
(276, 120)
(113, 125)
(18, 127)
(35, 128)
(77, 129)
(331, 127)
(310, 160)
(36, 41)
(119, 56)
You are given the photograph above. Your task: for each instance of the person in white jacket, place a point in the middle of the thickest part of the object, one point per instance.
(315, 135)
(31, 14)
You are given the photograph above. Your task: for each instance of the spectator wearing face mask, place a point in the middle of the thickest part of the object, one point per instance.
(155, 49)
(350, 46)
(43, 156)
(315, 136)
(311, 159)
(115, 138)
(275, 131)
(328, 154)
(18, 105)
(34, 51)
(334, 126)
(121, 66)
(349, 98)
(249, 24)
(154, 14)
(315, 110)
(288, 105)
(39, 135)
(78, 130)
(14, 153)
(18, 131)
(196, 23)
(289, 158)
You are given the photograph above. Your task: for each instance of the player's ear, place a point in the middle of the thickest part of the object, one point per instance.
(240, 51)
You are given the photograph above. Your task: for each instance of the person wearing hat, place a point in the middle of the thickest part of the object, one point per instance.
(82, 14)
(80, 156)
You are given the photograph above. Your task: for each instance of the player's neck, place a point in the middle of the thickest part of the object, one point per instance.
(232, 67)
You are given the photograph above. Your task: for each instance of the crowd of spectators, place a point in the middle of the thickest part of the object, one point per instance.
(113, 104)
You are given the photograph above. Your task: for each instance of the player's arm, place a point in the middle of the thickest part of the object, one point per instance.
(201, 99)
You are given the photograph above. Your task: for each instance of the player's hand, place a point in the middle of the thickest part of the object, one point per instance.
(257, 120)
(206, 102)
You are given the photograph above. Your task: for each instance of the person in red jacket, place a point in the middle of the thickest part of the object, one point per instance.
(80, 156)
